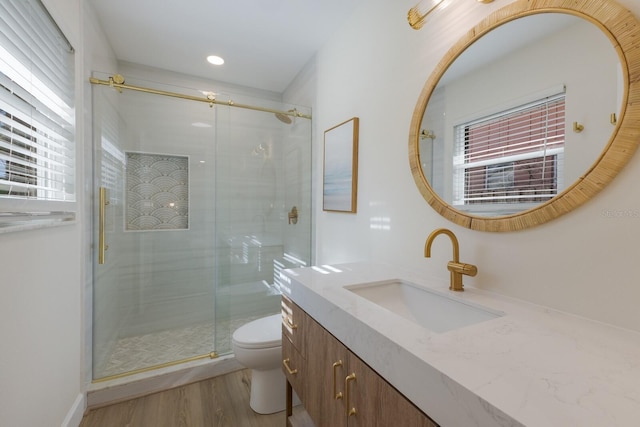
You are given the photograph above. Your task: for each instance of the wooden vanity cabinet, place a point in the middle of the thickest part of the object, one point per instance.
(329, 376)
(323, 352)
(294, 347)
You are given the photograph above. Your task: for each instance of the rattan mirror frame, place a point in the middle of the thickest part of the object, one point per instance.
(623, 29)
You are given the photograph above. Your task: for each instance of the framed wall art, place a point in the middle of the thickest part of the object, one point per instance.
(340, 178)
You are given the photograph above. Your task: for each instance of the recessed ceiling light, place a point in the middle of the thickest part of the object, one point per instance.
(215, 60)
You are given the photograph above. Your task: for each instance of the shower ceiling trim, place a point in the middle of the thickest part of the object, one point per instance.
(117, 81)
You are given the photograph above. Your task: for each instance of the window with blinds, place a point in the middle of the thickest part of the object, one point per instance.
(37, 118)
(514, 156)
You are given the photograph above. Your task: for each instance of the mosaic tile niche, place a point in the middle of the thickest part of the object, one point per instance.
(157, 192)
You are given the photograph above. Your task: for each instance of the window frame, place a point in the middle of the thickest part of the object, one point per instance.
(32, 41)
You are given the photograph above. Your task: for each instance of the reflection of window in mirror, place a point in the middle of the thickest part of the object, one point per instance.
(19, 177)
(511, 157)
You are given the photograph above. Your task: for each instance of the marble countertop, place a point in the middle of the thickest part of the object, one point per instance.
(533, 366)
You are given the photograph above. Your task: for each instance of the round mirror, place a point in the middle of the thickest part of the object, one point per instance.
(528, 115)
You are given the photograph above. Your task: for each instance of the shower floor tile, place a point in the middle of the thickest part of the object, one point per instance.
(144, 351)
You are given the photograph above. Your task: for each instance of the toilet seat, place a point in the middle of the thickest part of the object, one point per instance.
(261, 333)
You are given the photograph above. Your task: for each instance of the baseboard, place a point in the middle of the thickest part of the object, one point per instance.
(114, 391)
(74, 416)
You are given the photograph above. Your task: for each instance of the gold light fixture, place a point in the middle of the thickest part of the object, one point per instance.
(418, 13)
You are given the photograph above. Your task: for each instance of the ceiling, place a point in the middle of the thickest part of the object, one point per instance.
(265, 43)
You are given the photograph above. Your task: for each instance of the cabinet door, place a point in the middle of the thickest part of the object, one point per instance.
(331, 374)
(323, 351)
(362, 394)
(375, 403)
(294, 367)
(293, 324)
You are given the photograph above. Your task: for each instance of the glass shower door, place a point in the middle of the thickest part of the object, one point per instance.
(153, 291)
(263, 173)
(194, 222)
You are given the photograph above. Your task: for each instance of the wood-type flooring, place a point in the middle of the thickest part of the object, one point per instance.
(217, 402)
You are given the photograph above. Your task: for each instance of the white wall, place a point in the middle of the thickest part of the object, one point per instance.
(40, 326)
(40, 310)
(46, 310)
(374, 68)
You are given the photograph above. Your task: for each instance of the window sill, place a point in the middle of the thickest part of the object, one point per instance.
(20, 221)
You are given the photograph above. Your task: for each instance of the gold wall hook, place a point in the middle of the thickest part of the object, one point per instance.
(426, 133)
(577, 127)
(613, 119)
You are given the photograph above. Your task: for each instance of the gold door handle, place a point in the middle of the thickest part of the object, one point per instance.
(352, 377)
(102, 246)
(285, 362)
(335, 391)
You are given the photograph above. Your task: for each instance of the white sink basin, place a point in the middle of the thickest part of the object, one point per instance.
(430, 309)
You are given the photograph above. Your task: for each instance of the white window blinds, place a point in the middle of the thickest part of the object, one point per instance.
(37, 118)
(514, 156)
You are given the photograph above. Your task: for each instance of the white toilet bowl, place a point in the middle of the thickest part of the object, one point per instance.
(258, 346)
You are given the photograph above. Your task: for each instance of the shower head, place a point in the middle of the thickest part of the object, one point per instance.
(286, 118)
(283, 118)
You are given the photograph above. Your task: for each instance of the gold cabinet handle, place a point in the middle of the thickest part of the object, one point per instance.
(291, 324)
(285, 362)
(102, 246)
(352, 377)
(335, 392)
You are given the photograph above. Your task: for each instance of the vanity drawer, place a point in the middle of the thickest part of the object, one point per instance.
(293, 325)
(293, 366)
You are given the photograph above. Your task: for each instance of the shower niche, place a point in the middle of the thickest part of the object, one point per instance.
(157, 192)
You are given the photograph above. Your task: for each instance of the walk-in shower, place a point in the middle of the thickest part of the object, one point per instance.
(192, 214)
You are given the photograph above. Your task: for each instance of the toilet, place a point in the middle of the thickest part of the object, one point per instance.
(258, 346)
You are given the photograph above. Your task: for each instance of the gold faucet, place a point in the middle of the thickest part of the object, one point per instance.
(456, 268)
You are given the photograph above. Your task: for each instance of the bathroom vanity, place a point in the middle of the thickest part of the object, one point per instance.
(335, 385)
(355, 362)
